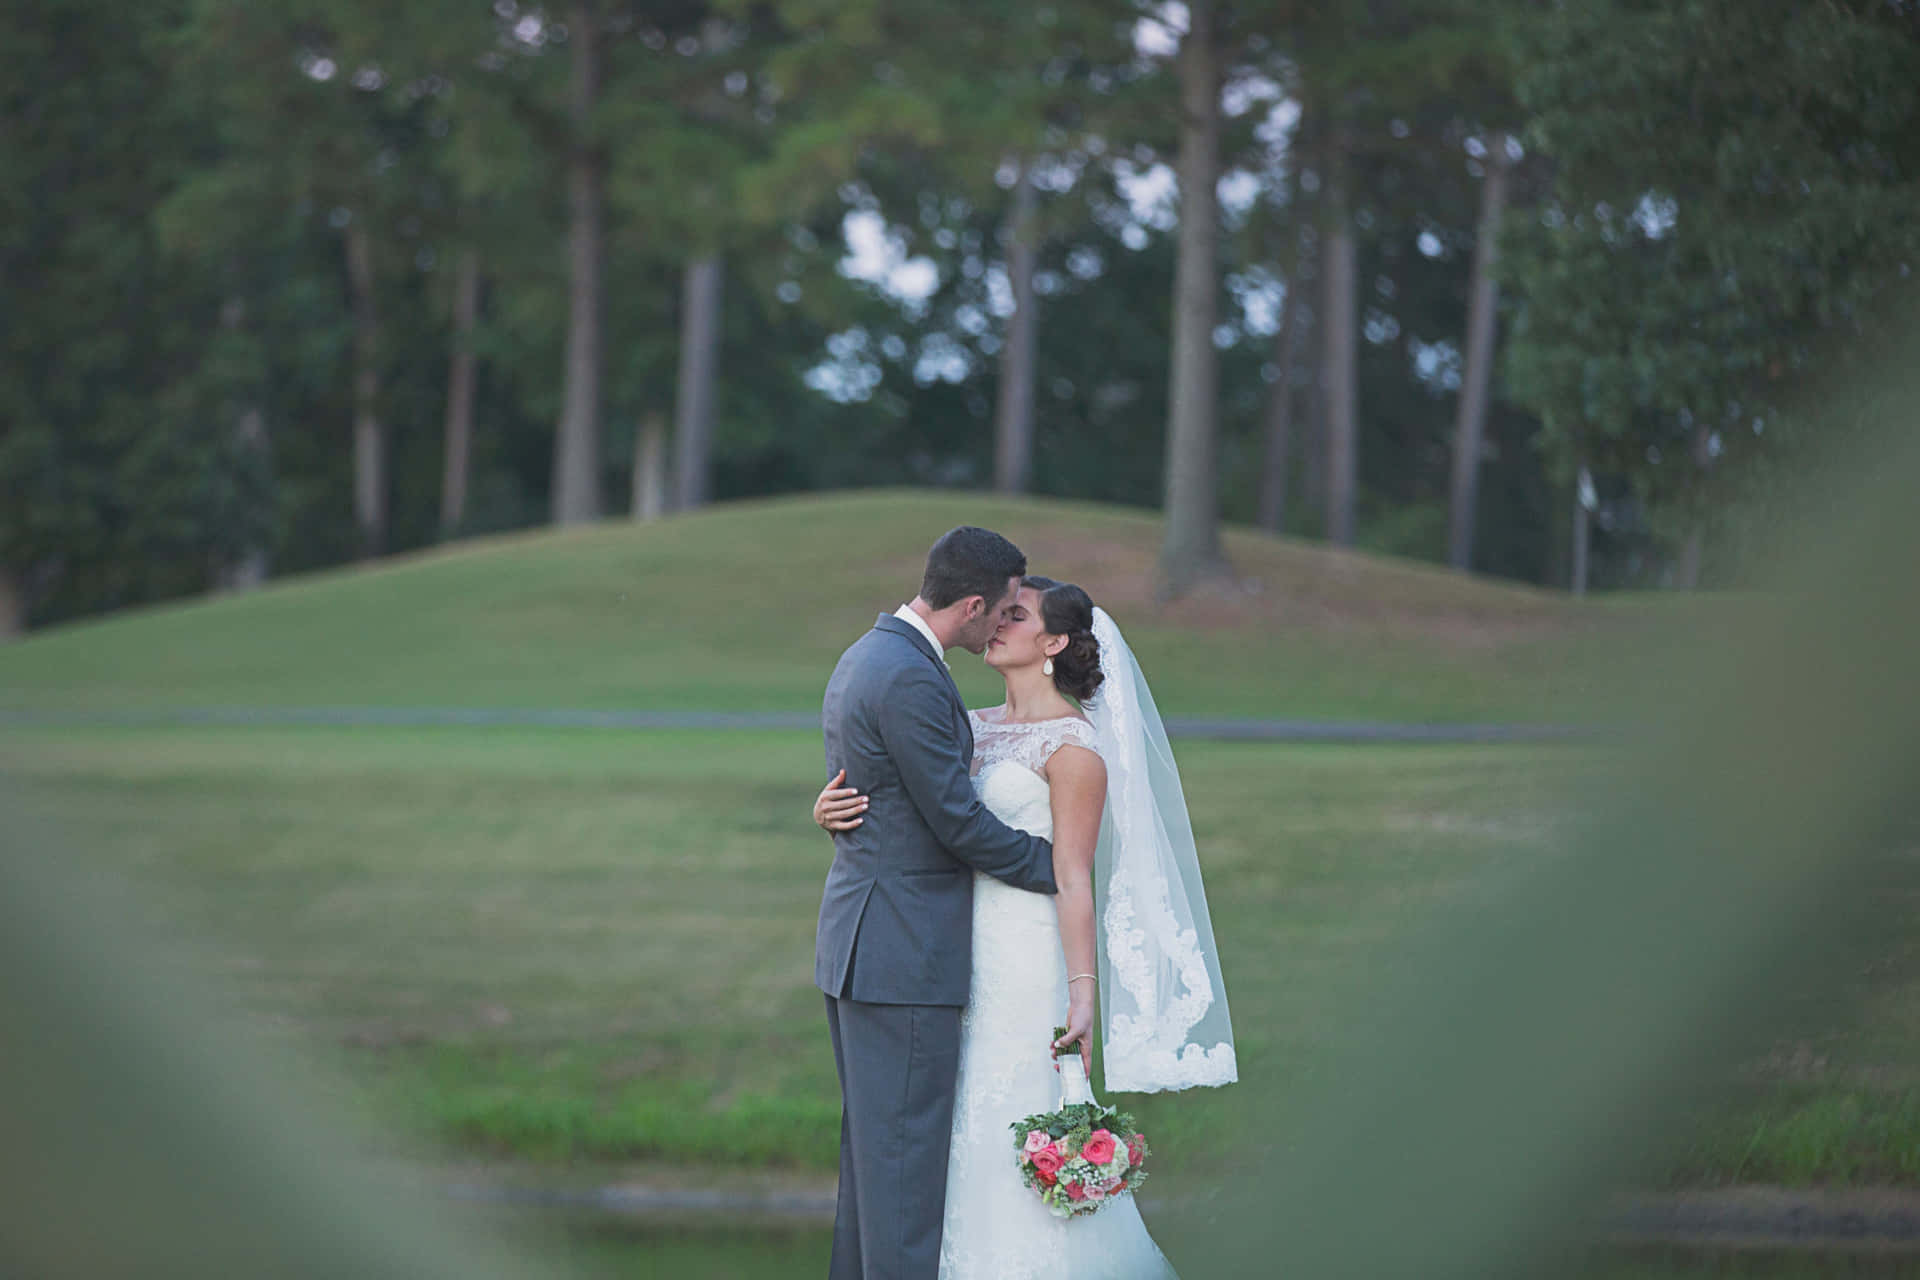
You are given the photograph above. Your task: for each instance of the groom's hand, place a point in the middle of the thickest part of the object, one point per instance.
(1080, 1029)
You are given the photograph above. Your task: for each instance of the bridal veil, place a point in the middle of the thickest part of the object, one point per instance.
(1165, 1006)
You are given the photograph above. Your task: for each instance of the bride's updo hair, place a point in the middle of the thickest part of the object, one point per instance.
(1066, 610)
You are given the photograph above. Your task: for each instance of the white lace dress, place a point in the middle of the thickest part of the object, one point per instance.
(997, 1229)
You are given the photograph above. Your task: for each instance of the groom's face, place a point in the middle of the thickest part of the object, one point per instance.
(977, 630)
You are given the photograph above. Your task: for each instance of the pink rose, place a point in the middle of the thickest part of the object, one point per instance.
(1047, 1161)
(1076, 1192)
(1098, 1148)
(1136, 1147)
(1036, 1139)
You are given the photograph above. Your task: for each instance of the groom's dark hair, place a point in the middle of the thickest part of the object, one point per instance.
(969, 561)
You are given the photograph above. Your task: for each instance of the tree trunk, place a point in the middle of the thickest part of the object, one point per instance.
(1192, 548)
(1483, 304)
(369, 433)
(1013, 424)
(699, 360)
(1340, 349)
(1582, 530)
(1313, 443)
(1694, 548)
(248, 569)
(650, 467)
(576, 453)
(457, 465)
(1687, 575)
(1279, 424)
(13, 605)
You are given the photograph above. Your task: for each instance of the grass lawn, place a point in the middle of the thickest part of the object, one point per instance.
(591, 944)
(580, 944)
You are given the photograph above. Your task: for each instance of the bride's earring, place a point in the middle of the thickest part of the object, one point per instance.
(1046, 668)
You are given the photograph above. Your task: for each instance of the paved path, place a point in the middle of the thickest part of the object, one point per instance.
(1884, 1218)
(1219, 728)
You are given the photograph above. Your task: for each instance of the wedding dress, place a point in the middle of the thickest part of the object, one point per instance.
(996, 1228)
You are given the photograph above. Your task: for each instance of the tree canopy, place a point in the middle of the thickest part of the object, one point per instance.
(245, 243)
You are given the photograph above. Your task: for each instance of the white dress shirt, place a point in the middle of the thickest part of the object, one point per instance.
(906, 614)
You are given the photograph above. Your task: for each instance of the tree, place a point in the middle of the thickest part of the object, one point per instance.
(324, 118)
(1732, 187)
(1277, 457)
(1340, 367)
(248, 568)
(456, 471)
(357, 221)
(369, 433)
(1191, 550)
(688, 111)
(124, 455)
(699, 362)
(576, 442)
(1013, 412)
(649, 501)
(1482, 309)
(980, 102)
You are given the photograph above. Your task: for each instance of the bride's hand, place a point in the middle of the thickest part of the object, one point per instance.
(839, 808)
(1079, 1027)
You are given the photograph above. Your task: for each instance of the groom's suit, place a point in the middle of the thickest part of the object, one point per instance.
(894, 949)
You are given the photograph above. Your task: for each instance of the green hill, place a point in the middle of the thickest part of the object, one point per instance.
(744, 606)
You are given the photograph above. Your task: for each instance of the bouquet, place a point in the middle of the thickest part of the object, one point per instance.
(1081, 1156)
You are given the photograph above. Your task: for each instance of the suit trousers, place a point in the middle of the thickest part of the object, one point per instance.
(897, 1065)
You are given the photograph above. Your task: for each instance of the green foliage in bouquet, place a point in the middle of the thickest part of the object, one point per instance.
(1075, 1121)
(1078, 1157)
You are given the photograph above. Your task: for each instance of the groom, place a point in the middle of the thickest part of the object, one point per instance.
(894, 949)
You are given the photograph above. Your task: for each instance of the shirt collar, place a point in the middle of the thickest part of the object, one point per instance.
(906, 614)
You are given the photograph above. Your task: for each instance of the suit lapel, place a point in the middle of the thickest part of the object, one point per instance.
(966, 731)
(888, 623)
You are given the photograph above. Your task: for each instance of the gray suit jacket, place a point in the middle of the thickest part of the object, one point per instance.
(896, 920)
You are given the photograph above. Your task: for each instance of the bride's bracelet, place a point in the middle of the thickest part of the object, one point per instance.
(1089, 977)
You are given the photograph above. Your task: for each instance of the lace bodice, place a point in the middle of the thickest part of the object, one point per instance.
(1027, 743)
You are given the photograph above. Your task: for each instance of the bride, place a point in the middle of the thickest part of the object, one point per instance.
(1077, 754)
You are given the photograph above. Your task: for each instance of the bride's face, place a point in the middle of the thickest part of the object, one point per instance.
(1022, 639)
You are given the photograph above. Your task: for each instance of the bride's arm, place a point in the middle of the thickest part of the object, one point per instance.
(1078, 780)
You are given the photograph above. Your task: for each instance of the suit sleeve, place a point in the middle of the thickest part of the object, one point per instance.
(916, 723)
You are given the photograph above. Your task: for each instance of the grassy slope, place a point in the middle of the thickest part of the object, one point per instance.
(745, 606)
